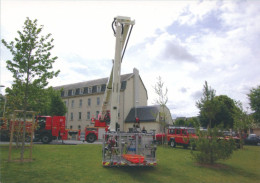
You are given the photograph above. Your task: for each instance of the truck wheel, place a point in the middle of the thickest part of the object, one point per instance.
(46, 139)
(192, 147)
(185, 146)
(172, 143)
(91, 138)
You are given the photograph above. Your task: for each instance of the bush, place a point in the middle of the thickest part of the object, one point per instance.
(211, 147)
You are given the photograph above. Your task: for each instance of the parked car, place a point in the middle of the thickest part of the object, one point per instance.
(252, 139)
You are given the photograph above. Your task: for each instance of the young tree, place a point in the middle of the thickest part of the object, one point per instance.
(208, 106)
(31, 66)
(162, 99)
(254, 97)
(210, 150)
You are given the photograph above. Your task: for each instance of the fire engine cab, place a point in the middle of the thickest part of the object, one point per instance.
(49, 128)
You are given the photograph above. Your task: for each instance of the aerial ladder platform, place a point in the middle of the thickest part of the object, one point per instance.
(122, 148)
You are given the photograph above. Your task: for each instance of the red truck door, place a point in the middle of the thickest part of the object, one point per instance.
(58, 123)
(178, 137)
(184, 134)
(171, 133)
(48, 124)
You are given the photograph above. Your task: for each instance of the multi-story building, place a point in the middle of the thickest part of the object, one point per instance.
(84, 101)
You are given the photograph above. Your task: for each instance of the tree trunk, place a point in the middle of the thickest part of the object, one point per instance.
(241, 139)
(23, 137)
(26, 92)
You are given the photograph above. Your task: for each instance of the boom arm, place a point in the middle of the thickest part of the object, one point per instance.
(120, 27)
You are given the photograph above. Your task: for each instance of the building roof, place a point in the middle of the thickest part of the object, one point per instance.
(144, 113)
(95, 82)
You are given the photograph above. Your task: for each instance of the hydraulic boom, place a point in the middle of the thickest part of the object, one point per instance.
(120, 26)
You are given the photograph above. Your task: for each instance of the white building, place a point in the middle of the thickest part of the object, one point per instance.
(84, 101)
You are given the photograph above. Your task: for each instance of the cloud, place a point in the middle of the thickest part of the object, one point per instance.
(184, 42)
(183, 90)
(197, 95)
(174, 51)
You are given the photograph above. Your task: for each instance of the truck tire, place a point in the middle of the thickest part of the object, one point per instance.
(46, 139)
(192, 147)
(185, 146)
(91, 138)
(172, 143)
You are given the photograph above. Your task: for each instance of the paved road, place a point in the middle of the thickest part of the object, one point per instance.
(65, 142)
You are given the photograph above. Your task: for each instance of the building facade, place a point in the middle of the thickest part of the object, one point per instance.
(84, 100)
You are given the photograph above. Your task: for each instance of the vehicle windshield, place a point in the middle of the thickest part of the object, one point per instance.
(91, 129)
(41, 123)
(191, 131)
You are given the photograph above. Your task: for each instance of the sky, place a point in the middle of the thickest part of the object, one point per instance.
(184, 42)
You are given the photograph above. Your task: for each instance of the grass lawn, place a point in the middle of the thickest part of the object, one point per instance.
(82, 163)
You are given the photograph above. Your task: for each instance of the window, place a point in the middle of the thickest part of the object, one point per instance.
(178, 131)
(92, 129)
(89, 102)
(71, 127)
(72, 92)
(89, 89)
(79, 127)
(65, 103)
(79, 115)
(71, 116)
(191, 131)
(172, 131)
(81, 91)
(98, 89)
(72, 103)
(66, 93)
(97, 113)
(184, 132)
(80, 103)
(88, 115)
(98, 100)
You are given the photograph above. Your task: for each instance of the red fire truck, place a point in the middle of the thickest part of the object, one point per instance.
(6, 126)
(100, 127)
(49, 128)
(46, 129)
(184, 135)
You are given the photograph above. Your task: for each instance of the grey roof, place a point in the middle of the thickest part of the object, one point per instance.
(91, 82)
(144, 113)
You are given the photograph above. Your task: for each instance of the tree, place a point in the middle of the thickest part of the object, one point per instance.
(242, 121)
(208, 106)
(2, 105)
(189, 122)
(216, 110)
(162, 99)
(211, 148)
(180, 122)
(31, 66)
(57, 106)
(193, 122)
(254, 97)
(225, 115)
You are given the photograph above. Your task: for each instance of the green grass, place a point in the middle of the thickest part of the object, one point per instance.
(82, 163)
